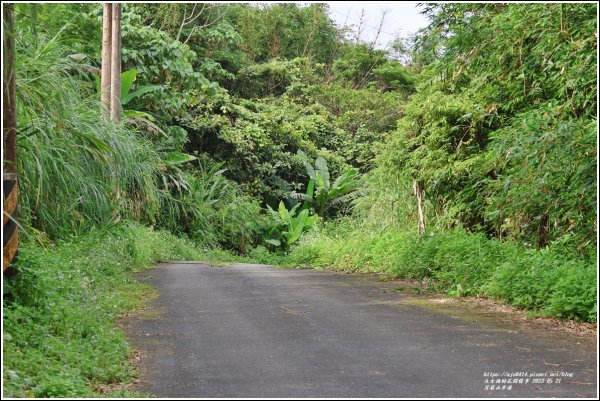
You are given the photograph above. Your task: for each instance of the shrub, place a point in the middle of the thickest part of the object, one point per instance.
(548, 282)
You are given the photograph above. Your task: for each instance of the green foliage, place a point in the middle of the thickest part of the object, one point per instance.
(60, 338)
(547, 282)
(156, 56)
(545, 54)
(544, 191)
(285, 31)
(501, 133)
(323, 194)
(277, 77)
(79, 171)
(259, 141)
(392, 76)
(364, 117)
(137, 118)
(359, 65)
(76, 171)
(210, 208)
(356, 64)
(439, 143)
(75, 21)
(287, 225)
(127, 79)
(164, 64)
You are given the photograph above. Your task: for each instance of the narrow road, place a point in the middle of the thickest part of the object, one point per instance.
(256, 331)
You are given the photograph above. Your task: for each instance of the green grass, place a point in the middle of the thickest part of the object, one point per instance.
(60, 338)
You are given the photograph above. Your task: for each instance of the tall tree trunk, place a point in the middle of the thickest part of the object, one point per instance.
(115, 87)
(105, 82)
(418, 190)
(9, 139)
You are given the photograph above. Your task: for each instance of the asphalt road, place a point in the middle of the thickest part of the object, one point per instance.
(254, 331)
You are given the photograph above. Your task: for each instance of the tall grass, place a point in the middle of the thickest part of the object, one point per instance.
(75, 170)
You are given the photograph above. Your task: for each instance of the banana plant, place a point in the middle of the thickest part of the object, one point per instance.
(140, 118)
(288, 225)
(321, 193)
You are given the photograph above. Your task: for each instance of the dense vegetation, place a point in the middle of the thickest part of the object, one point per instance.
(265, 132)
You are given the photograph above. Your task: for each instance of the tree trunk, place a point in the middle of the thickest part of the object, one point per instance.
(9, 138)
(105, 82)
(418, 190)
(115, 87)
(9, 110)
